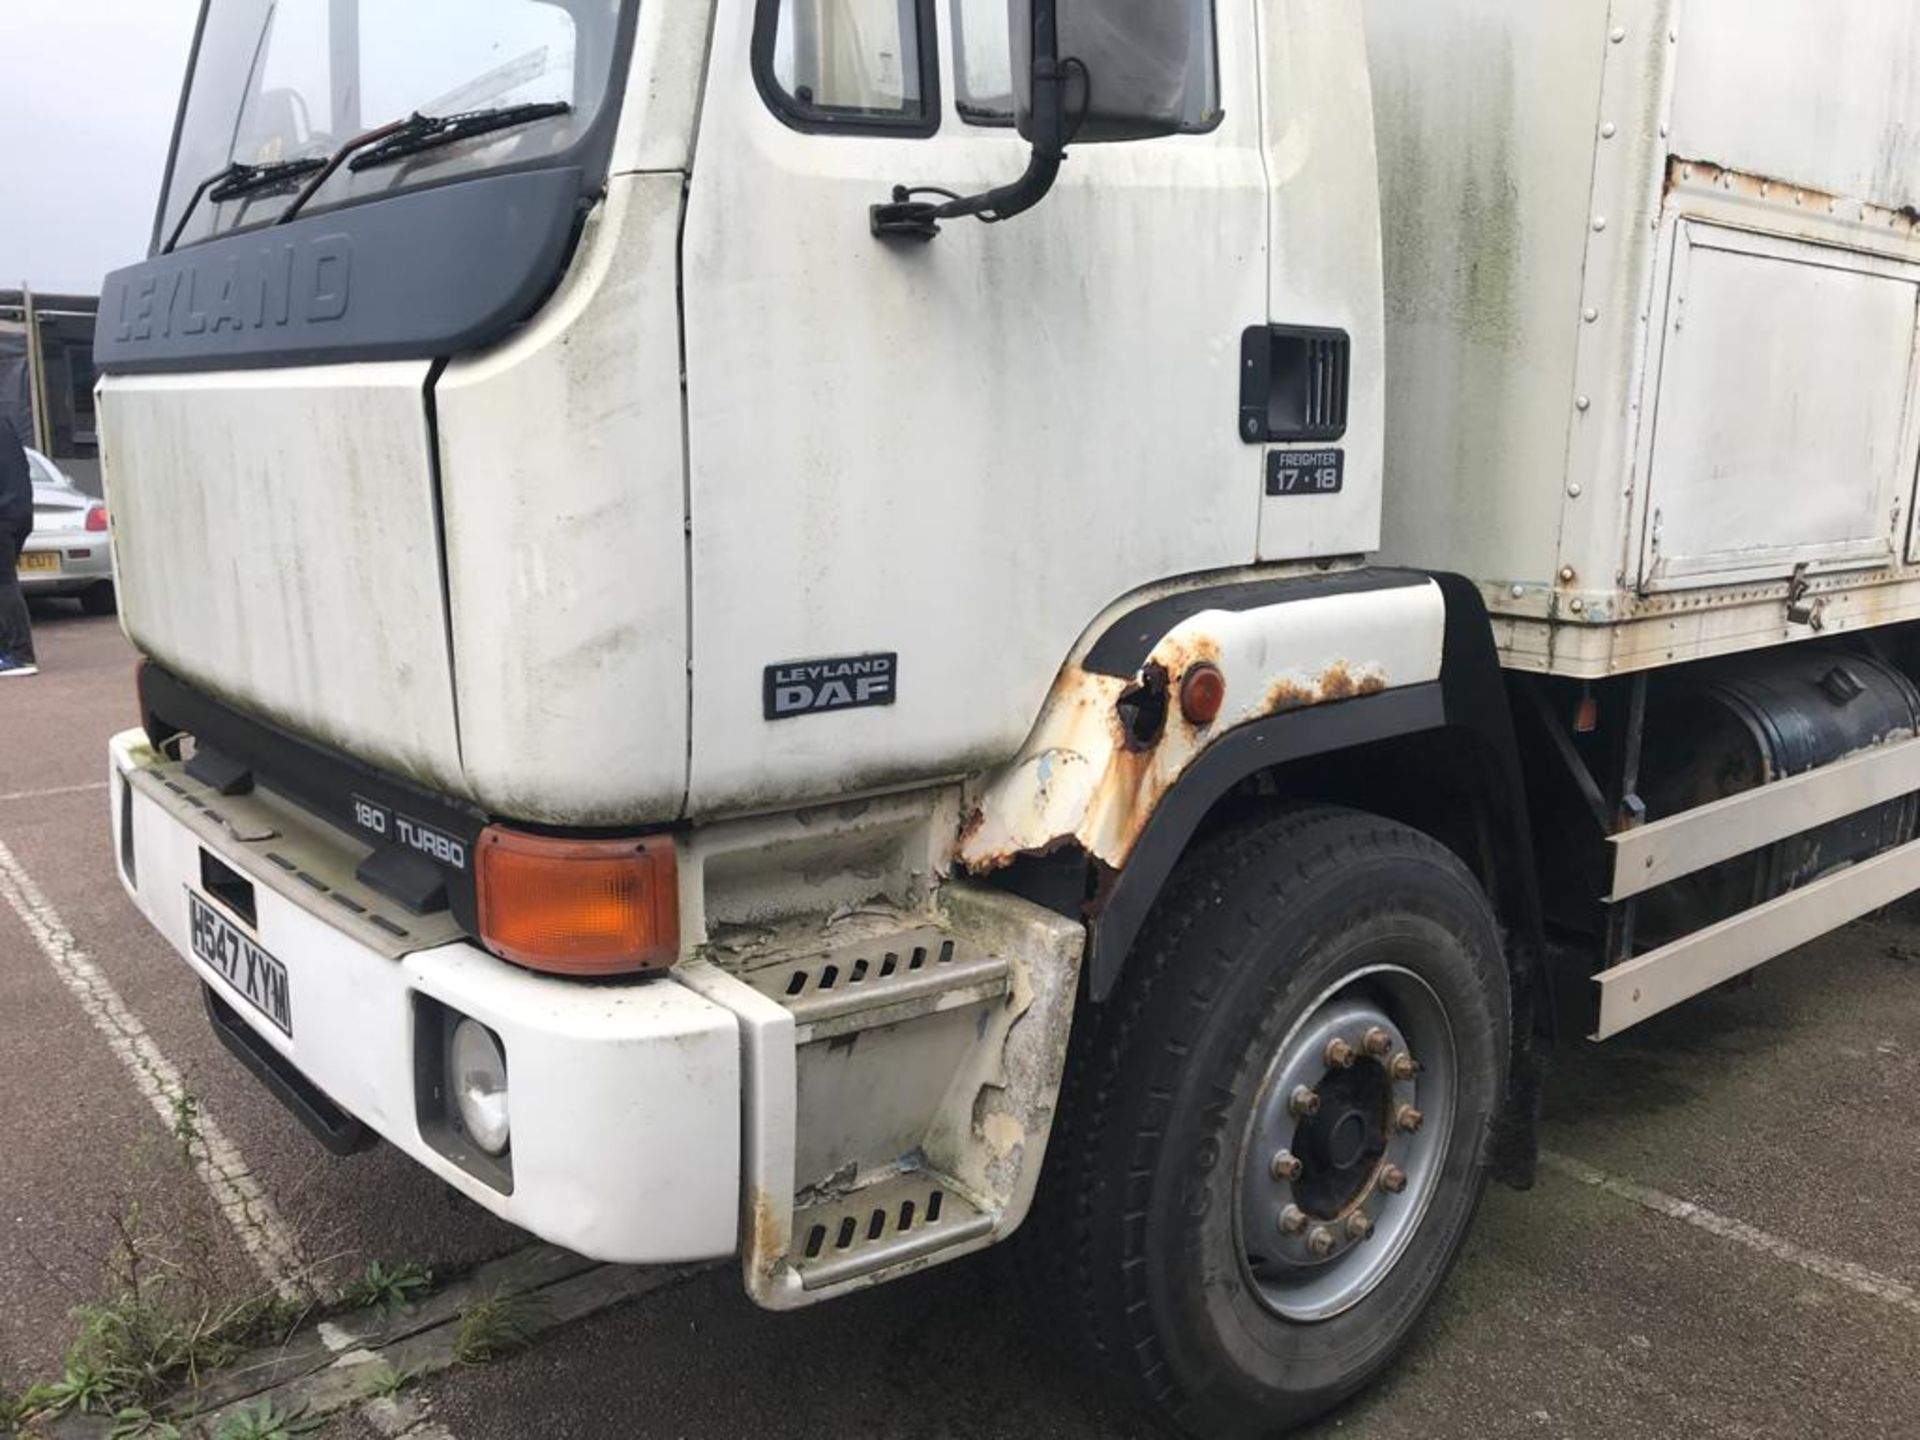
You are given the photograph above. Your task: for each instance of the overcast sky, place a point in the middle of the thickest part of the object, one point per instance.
(86, 107)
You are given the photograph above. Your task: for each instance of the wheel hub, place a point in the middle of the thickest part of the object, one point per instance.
(1341, 1147)
(1346, 1143)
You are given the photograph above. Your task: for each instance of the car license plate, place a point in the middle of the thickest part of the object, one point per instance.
(247, 968)
(39, 560)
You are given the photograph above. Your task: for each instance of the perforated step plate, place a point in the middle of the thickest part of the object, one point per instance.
(882, 1224)
(870, 980)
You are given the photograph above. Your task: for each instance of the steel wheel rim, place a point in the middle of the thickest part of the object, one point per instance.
(1301, 1248)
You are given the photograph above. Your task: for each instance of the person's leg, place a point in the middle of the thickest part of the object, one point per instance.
(16, 627)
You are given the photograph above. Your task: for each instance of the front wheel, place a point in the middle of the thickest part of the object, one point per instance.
(1276, 1132)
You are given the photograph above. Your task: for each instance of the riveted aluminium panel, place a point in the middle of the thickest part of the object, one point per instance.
(1485, 113)
(1817, 95)
(1524, 349)
(1783, 433)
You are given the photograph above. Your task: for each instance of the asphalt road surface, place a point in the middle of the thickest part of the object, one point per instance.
(1723, 1244)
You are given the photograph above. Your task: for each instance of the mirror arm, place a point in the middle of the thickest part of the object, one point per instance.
(905, 218)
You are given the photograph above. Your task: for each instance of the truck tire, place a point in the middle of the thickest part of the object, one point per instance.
(1163, 1229)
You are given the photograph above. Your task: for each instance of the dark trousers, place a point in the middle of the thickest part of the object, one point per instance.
(16, 629)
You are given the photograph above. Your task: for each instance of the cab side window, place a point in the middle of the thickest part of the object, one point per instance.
(849, 65)
(983, 70)
(982, 63)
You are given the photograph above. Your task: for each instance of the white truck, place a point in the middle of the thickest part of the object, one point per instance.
(727, 707)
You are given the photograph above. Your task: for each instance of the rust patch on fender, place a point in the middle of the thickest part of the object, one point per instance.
(1128, 793)
(1141, 710)
(1141, 744)
(990, 861)
(1336, 682)
(767, 1244)
(1284, 695)
(1177, 652)
(970, 825)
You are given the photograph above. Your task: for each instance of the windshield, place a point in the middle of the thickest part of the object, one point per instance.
(279, 80)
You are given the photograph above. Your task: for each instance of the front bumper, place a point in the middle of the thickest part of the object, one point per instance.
(625, 1099)
(84, 561)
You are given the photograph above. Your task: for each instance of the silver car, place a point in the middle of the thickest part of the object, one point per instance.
(70, 551)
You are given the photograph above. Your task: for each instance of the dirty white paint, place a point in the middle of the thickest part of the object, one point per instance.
(959, 451)
(606, 1079)
(1485, 113)
(1075, 779)
(254, 1218)
(1316, 104)
(1783, 428)
(566, 548)
(1811, 94)
(1650, 319)
(662, 99)
(275, 542)
(1674, 627)
(955, 1092)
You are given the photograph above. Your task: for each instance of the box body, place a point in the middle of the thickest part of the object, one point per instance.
(1653, 317)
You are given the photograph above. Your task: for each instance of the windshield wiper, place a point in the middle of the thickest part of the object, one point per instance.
(252, 179)
(380, 146)
(429, 132)
(237, 179)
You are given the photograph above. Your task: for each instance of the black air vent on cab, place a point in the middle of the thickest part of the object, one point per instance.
(1294, 383)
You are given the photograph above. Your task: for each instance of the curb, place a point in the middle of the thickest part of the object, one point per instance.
(325, 1367)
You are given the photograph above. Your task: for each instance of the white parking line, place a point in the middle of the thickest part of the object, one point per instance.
(254, 1219)
(54, 790)
(1856, 1278)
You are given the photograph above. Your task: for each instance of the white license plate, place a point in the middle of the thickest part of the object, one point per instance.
(248, 969)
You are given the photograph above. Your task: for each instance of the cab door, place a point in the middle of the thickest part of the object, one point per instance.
(955, 452)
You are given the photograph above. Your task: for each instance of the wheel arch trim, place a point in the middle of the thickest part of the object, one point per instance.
(1114, 736)
(1237, 756)
(1468, 697)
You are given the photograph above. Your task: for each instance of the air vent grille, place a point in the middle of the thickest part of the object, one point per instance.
(1295, 383)
(1326, 398)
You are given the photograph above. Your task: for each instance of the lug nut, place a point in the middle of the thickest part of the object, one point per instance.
(1402, 1066)
(1377, 1042)
(1292, 1220)
(1359, 1227)
(1407, 1119)
(1393, 1179)
(1321, 1241)
(1304, 1101)
(1286, 1165)
(1339, 1054)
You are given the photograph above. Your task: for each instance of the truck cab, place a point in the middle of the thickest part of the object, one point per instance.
(757, 617)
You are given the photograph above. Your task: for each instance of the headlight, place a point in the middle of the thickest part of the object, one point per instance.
(478, 1079)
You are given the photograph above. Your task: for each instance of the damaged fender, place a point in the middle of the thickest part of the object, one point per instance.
(1310, 665)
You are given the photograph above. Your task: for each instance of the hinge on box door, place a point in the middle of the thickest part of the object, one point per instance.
(1803, 608)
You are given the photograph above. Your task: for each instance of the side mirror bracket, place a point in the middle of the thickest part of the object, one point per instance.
(906, 218)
